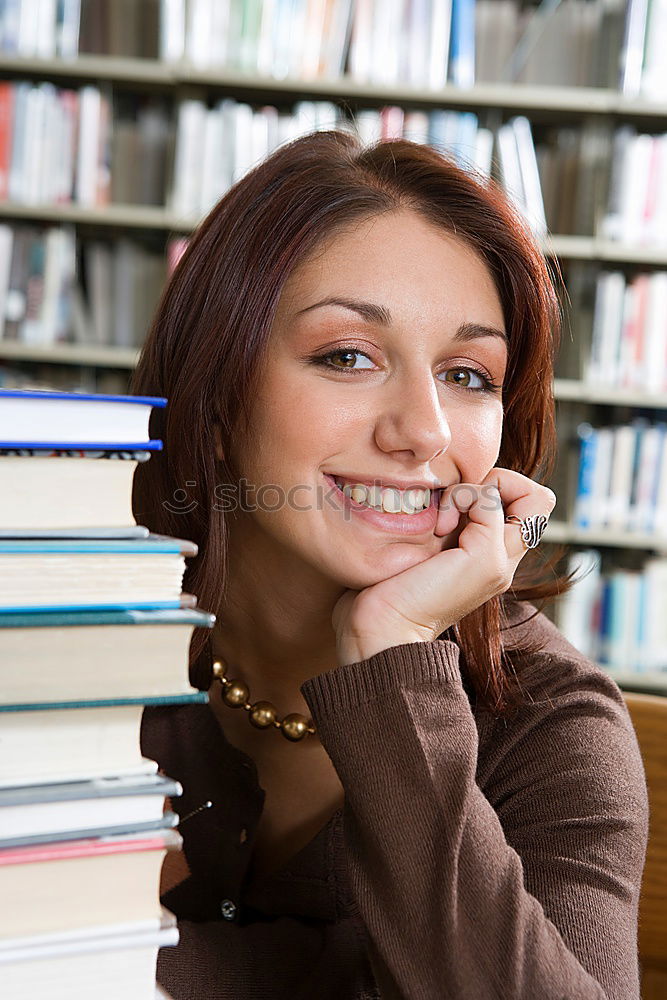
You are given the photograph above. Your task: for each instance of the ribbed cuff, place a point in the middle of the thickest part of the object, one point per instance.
(409, 665)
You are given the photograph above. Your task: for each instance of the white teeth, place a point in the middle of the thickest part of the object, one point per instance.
(390, 499)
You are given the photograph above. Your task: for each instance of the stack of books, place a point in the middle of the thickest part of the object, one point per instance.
(83, 824)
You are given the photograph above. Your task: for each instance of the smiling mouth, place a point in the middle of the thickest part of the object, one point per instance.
(388, 499)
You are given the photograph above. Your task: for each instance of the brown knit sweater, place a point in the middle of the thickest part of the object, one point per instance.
(474, 858)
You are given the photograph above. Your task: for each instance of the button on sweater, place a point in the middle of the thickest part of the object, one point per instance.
(474, 857)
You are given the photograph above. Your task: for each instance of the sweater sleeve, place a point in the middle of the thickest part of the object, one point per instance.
(528, 888)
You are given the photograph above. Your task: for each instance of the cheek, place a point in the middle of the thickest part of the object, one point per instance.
(480, 437)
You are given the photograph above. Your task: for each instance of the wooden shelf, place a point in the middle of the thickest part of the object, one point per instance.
(108, 216)
(583, 392)
(161, 219)
(653, 681)
(70, 354)
(563, 532)
(564, 101)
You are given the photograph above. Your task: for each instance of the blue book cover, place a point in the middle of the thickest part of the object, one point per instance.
(82, 396)
(12, 446)
(193, 698)
(605, 621)
(68, 418)
(587, 451)
(462, 43)
(154, 543)
(97, 616)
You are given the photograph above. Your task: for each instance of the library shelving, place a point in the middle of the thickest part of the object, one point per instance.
(546, 106)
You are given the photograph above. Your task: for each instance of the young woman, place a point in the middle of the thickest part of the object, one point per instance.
(406, 784)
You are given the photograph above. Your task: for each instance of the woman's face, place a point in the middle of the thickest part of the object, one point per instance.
(405, 397)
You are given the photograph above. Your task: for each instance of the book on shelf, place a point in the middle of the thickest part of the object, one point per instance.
(66, 965)
(85, 819)
(96, 292)
(53, 419)
(622, 478)
(78, 810)
(45, 574)
(617, 616)
(60, 489)
(137, 654)
(95, 881)
(77, 740)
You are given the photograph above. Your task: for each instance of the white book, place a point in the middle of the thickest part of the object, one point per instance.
(259, 139)
(483, 155)
(634, 302)
(35, 118)
(415, 52)
(655, 334)
(360, 45)
(385, 41)
(466, 139)
(327, 115)
(599, 500)
(90, 108)
(530, 177)
(219, 38)
(628, 644)
(632, 54)
(72, 972)
(642, 511)
(6, 244)
(510, 166)
(654, 69)
(620, 487)
(655, 619)
(635, 184)
(50, 180)
(265, 55)
(612, 223)
(660, 504)
(607, 326)
(171, 43)
(28, 28)
(415, 126)
(282, 42)
(188, 166)
(575, 607)
(656, 234)
(212, 183)
(67, 29)
(297, 37)
(438, 61)
(45, 42)
(54, 261)
(337, 38)
(243, 115)
(313, 39)
(199, 16)
(368, 125)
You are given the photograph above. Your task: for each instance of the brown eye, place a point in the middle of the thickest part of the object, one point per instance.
(348, 356)
(460, 376)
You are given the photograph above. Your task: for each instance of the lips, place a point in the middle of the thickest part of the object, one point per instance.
(345, 481)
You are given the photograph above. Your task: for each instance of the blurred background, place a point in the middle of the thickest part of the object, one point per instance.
(122, 122)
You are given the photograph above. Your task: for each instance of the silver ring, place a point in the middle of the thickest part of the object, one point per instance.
(532, 527)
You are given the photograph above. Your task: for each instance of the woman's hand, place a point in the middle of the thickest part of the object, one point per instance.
(418, 604)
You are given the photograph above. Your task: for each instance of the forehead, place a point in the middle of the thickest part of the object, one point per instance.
(403, 262)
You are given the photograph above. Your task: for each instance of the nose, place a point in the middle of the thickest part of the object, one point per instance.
(413, 420)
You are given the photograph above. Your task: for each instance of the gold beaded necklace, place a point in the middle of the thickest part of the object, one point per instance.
(262, 714)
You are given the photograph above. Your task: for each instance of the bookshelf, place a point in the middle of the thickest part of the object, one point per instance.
(547, 106)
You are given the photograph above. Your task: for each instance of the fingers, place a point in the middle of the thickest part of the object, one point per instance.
(502, 493)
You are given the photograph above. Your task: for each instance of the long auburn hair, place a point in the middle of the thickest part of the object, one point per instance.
(214, 319)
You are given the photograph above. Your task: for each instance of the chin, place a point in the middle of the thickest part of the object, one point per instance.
(391, 562)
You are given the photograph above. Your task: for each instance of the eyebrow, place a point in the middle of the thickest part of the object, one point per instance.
(374, 313)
